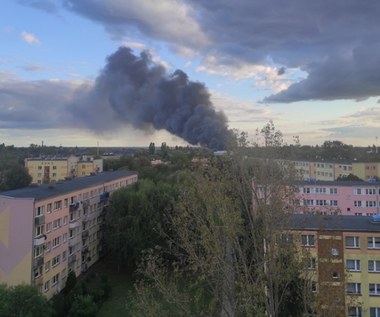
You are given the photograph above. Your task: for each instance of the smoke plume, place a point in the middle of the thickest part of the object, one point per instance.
(142, 94)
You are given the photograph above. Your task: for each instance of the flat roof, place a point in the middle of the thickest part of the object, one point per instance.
(45, 191)
(333, 223)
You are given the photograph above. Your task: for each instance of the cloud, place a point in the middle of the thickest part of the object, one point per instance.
(335, 42)
(30, 38)
(44, 5)
(165, 20)
(33, 67)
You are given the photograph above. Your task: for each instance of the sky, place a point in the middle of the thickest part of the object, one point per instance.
(312, 67)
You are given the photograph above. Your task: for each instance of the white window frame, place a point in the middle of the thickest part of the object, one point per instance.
(309, 240)
(372, 244)
(374, 312)
(355, 242)
(355, 267)
(354, 311)
(376, 289)
(376, 266)
(356, 288)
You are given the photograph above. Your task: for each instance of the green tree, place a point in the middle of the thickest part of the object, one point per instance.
(13, 176)
(152, 148)
(83, 306)
(23, 300)
(272, 136)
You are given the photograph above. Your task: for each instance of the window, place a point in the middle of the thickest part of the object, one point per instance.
(370, 191)
(311, 264)
(47, 266)
(307, 240)
(373, 242)
(333, 190)
(353, 288)
(313, 286)
(57, 204)
(55, 279)
(352, 242)
(357, 203)
(358, 191)
(306, 190)
(39, 230)
(54, 167)
(370, 203)
(56, 260)
(47, 247)
(46, 286)
(65, 202)
(353, 265)
(57, 223)
(56, 242)
(65, 220)
(374, 289)
(64, 256)
(48, 207)
(374, 312)
(333, 203)
(354, 312)
(39, 211)
(48, 227)
(38, 251)
(373, 266)
(64, 237)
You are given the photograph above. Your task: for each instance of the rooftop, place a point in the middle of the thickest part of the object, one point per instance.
(335, 223)
(59, 188)
(338, 183)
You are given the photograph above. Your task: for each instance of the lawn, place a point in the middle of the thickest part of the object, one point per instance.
(121, 283)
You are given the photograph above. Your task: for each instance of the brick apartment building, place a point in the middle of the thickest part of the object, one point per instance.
(48, 230)
(345, 258)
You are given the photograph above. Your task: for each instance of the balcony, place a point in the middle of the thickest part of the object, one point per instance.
(74, 206)
(37, 262)
(84, 250)
(40, 220)
(85, 234)
(72, 258)
(74, 223)
(39, 240)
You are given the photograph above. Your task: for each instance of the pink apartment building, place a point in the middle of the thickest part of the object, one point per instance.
(345, 198)
(48, 230)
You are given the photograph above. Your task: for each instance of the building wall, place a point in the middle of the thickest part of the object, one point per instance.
(16, 240)
(342, 197)
(42, 241)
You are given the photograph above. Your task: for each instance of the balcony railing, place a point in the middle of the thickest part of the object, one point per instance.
(39, 240)
(37, 262)
(74, 223)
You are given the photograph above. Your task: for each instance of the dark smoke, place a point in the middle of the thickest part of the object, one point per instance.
(144, 95)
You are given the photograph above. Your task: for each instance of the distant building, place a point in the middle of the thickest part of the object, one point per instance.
(345, 262)
(339, 197)
(48, 230)
(366, 170)
(51, 169)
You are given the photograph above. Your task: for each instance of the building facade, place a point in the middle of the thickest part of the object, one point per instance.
(338, 197)
(345, 254)
(366, 170)
(53, 169)
(48, 230)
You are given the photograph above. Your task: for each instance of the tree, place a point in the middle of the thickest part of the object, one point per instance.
(272, 136)
(13, 176)
(152, 148)
(83, 306)
(164, 150)
(225, 246)
(349, 177)
(23, 300)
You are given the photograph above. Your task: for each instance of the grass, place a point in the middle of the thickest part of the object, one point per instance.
(122, 284)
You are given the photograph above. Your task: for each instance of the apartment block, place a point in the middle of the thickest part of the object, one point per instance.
(51, 169)
(338, 197)
(366, 170)
(345, 257)
(48, 230)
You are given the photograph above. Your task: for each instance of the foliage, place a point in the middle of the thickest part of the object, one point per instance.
(135, 218)
(23, 300)
(13, 176)
(152, 148)
(83, 306)
(349, 177)
(223, 246)
(71, 281)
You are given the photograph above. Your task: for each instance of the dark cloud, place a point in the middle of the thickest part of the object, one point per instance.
(335, 41)
(281, 71)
